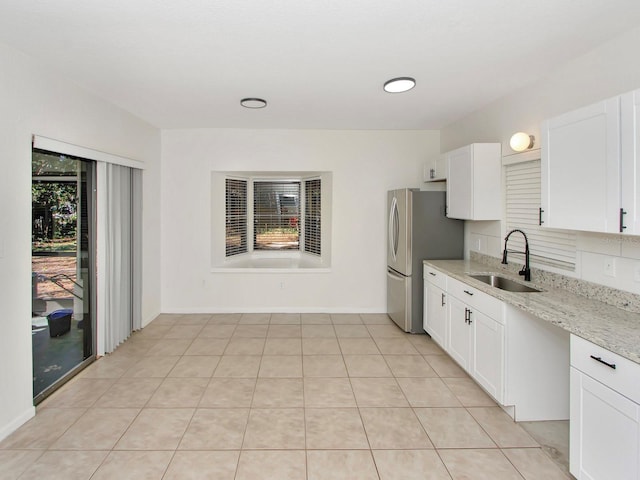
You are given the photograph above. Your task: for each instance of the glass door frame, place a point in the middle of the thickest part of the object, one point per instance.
(89, 335)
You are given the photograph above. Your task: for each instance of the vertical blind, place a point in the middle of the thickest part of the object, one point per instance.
(276, 215)
(120, 287)
(235, 216)
(547, 246)
(312, 217)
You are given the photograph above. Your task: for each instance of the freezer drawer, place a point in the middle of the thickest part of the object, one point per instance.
(399, 299)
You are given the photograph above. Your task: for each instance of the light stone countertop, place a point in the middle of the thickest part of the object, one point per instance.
(612, 328)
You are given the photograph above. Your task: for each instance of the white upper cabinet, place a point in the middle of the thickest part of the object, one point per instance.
(474, 181)
(581, 168)
(589, 167)
(435, 169)
(630, 165)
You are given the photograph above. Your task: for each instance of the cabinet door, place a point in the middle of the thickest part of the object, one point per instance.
(429, 170)
(459, 342)
(442, 164)
(581, 169)
(435, 314)
(460, 184)
(435, 169)
(488, 354)
(604, 431)
(630, 158)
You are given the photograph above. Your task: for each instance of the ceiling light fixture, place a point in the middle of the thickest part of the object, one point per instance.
(253, 103)
(399, 85)
(521, 141)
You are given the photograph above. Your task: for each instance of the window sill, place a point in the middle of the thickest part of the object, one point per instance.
(272, 264)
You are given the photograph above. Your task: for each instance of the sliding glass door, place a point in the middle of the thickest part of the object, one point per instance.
(63, 268)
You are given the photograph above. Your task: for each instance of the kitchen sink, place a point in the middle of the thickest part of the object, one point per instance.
(504, 283)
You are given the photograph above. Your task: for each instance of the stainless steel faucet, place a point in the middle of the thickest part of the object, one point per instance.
(526, 271)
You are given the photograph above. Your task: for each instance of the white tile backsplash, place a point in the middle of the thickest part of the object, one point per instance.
(594, 250)
(625, 269)
(494, 246)
(598, 243)
(487, 228)
(478, 243)
(630, 247)
(593, 269)
(483, 237)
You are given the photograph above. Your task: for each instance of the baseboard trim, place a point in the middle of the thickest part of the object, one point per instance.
(212, 310)
(17, 422)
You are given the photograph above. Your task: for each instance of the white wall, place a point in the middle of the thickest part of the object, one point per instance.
(36, 100)
(364, 164)
(605, 72)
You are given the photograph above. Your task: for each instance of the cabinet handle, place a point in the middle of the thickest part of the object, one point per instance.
(442, 305)
(432, 173)
(622, 225)
(468, 292)
(599, 359)
(540, 212)
(433, 274)
(467, 316)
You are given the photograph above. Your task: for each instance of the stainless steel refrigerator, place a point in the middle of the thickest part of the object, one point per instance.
(417, 230)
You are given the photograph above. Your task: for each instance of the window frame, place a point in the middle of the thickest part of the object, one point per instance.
(280, 186)
(302, 260)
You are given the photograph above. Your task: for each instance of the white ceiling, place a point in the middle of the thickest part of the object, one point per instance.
(319, 63)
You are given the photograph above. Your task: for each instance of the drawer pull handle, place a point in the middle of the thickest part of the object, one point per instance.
(468, 292)
(599, 359)
(431, 273)
(443, 297)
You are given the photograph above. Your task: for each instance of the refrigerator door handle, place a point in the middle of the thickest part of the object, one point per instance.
(394, 228)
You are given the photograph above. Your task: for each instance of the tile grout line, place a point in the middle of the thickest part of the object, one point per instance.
(386, 357)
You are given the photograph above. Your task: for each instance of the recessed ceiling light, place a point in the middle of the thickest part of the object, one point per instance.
(253, 103)
(399, 85)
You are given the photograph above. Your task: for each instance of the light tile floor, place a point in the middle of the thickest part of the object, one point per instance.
(281, 396)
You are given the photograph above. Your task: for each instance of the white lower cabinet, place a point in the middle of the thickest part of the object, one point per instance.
(488, 355)
(605, 415)
(476, 336)
(436, 314)
(435, 305)
(460, 333)
(519, 360)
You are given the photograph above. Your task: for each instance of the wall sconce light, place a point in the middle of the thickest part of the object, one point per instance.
(521, 141)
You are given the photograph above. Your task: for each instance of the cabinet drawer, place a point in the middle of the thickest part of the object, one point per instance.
(477, 299)
(623, 378)
(435, 277)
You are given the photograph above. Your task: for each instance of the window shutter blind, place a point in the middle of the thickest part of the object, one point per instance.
(236, 216)
(276, 215)
(312, 217)
(547, 246)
